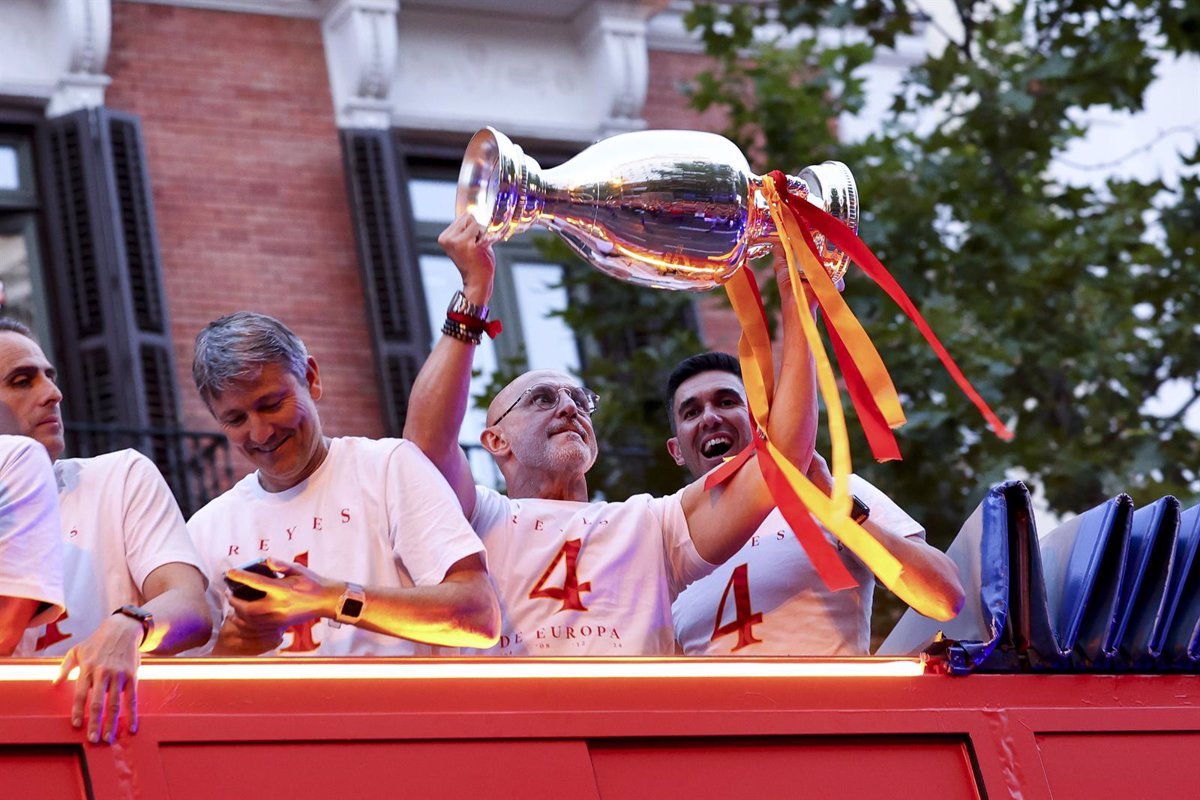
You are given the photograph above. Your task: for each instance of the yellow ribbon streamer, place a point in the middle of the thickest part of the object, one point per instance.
(839, 315)
(758, 373)
(754, 345)
(826, 381)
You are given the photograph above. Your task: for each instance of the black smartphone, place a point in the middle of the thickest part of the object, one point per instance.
(243, 592)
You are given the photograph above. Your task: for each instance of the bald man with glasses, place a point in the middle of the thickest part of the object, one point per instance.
(577, 577)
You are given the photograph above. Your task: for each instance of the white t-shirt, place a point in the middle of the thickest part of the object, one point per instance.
(790, 612)
(30, 551)
(120, 522)
(375, 512)
(591, 579)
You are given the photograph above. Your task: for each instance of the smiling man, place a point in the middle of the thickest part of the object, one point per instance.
(768, 599)
(371, 553)
(131, 575)
(577, 577)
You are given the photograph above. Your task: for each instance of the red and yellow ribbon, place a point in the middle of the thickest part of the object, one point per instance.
(867, 381)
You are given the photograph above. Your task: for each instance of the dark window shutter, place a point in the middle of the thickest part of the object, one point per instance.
(110, 314)
(388, 260)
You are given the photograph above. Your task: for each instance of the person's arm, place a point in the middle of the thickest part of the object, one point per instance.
(108, 659)
(929, 582)
(721, 520)
(30, 541)
(461, 611)
(437, 403)
(15, 614)
(157, 547)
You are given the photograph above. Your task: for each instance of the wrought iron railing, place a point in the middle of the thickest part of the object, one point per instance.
(196, 464)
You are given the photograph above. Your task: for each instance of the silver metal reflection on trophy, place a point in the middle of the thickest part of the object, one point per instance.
(667, 209)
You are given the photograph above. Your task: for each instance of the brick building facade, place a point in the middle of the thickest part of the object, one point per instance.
(297, 155)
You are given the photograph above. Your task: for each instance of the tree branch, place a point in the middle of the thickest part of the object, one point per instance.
(1194, 128)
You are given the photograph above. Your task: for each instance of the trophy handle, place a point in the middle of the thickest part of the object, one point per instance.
(830, 187)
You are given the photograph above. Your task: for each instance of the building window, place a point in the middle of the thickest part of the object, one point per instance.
(528, 297)
(22, 293)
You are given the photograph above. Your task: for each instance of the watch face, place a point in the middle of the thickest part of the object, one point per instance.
(351, 608)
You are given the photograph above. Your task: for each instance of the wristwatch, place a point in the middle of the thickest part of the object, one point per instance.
(859, 511)
(351, 604)
(150, 637)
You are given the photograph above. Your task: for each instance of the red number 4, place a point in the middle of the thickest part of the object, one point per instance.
(568, 593)
(302, 634)
(745, 621)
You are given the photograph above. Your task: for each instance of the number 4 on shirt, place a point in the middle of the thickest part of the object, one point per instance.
(743, 624)
(568, 593)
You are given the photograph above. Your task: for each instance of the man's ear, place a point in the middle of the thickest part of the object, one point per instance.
(313, 376)
(495, 442)
(675, 451)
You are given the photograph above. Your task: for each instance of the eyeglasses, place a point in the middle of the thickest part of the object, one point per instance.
(544, 397)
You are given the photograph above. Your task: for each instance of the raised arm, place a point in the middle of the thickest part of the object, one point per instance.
(438, 401)
(723, 519)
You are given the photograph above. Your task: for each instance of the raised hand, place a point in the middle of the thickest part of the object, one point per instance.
(463, 242)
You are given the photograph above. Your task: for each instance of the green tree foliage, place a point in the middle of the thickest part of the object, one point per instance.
(1068, 307)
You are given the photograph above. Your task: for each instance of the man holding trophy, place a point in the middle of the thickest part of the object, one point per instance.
(577, 577)
(768, 599)
(676, 210)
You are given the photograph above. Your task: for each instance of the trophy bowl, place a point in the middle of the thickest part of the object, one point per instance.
(676, 210)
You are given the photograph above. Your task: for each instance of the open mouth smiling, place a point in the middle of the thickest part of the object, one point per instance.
(716, 446)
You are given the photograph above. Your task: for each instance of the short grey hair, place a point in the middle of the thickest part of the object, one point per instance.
(234, 348)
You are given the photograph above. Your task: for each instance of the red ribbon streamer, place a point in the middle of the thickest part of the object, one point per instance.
(491, 327)
(837, 232)
(821, 553)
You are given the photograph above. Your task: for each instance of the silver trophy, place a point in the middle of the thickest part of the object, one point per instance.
(668, 209)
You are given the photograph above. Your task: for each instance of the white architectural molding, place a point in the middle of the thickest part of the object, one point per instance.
(360, 51)
(55, 51)
(613, 36)
(89, 34)
(304, 9)
(566, 79)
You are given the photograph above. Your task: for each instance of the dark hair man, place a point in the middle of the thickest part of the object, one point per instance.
(577, 577)
(374, 513)
(768, 599)
(131, 575)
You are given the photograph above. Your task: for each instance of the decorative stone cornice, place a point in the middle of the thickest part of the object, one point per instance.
(88, 31)
(613, 35)
(306, 9)
(55, 51)
(360, 50)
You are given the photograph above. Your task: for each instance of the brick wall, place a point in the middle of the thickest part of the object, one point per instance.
(248, 187)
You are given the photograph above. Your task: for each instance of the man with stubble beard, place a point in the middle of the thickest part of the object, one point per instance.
(768, 598)
(131, 575)
(574, 576)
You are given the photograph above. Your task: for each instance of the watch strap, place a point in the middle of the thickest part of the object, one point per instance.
(460, 305)
(151, 635)
(859, 511)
